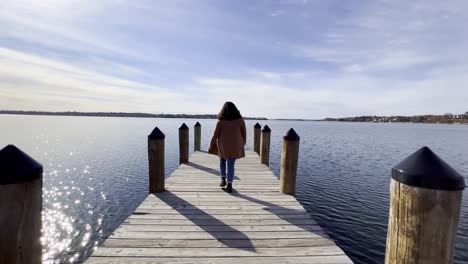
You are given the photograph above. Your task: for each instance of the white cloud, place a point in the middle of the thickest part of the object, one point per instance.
(268, 75)
(349, 95)
(277, 13)
(53, 25)
(42, 83)
(37, 83)
(391, 36)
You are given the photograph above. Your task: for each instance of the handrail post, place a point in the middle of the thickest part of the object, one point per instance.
(256, 138)
(425, 202)
(183, 144)
(20, 207)
(289, 160)
(265, 146)
(197, 137)
(156, 161)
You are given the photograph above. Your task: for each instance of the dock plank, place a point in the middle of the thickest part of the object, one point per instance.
(218, 252)
(194, 221)
(335, 259)
(187, 243)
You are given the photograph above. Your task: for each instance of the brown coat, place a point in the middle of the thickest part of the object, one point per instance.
(230, 137)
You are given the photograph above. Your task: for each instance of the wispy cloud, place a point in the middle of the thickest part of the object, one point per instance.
(59, 85)
(391, 36)
(277, 13)
(331, 96)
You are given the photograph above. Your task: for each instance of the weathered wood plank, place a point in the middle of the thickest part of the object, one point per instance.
(220, 206)
(189, 188)
(257, 243)
(214, 183)
(264, 198)
(215, 212)
(208, 222)
(220, 217)
(216, 190)
(245, 196)
(217, 228)
(209, 202)
(222, 194)
(216, 235)
(336, 259)
(219, 252)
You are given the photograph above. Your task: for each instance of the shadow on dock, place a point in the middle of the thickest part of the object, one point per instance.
(206, 169)
(274, 208)
(173, 201)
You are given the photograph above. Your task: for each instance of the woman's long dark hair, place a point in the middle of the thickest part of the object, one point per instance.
(229, 112)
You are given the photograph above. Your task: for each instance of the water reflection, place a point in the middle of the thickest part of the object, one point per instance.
(70, 226)
(57, 228)
(67, 232)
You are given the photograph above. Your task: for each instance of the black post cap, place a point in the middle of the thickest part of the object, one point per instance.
(291, 135)
(156, 134)
(183, 126)
(257, 125)
(266, 129)
(197, 124)
(17, 166)
(426, 170)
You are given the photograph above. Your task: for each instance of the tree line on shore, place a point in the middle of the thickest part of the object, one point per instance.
(118, 114)
(448, 118)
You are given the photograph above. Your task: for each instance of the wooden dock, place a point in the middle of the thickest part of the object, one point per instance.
(195, 221)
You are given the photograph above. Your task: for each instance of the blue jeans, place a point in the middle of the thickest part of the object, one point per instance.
(230, 168)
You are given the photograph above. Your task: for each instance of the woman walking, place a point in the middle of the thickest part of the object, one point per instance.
(228, 142)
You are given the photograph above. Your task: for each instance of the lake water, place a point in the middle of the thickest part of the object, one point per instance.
(96, 174)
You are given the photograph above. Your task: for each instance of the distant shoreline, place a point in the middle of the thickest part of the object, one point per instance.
(409, 123)
(423, 119)
(461, 119)
(117, 114)
(295, 119)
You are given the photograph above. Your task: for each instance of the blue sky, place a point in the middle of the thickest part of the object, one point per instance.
(284, 59)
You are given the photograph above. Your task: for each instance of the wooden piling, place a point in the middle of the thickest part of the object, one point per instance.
(183, 144)
(197, 137)
(289, 160)
(265, 146)
(425, 206)
(256, 138)
(20, 207)
(156, 161)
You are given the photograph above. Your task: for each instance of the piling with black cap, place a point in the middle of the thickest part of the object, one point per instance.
(425, 204)
(156, 160)
(197, 137)
(20, 207)
(183, 144)
(265, 146)
(256, 138)
(289, 160)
